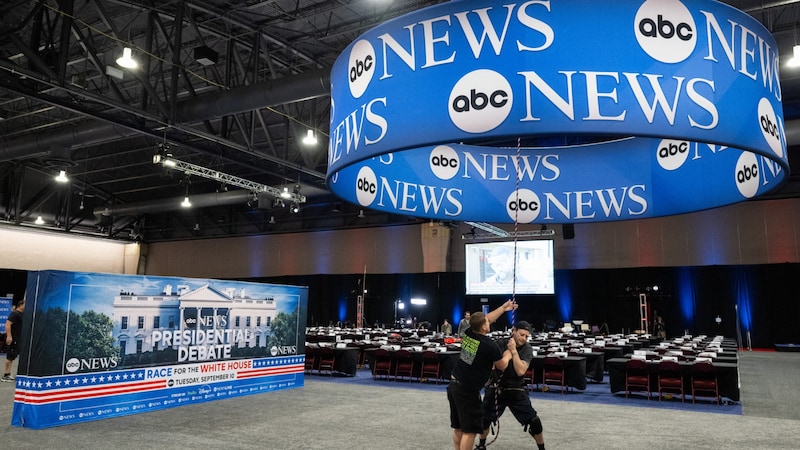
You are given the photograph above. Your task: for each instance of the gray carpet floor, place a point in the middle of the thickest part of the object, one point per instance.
(329, 415)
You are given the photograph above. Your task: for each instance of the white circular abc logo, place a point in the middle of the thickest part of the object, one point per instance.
(746, 174)
(672, 154)
(73, 365)
(523, 206)
(480, 101)
(273, 350)
(770, 128)
(665, 30)
(444, 162)
(360, 67)
(366, 186)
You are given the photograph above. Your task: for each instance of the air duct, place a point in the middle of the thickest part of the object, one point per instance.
(304, 86)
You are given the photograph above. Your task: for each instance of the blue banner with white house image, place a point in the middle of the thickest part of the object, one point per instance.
(104, 345)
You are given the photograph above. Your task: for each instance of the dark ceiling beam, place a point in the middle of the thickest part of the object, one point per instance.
(262, 95)
(230, 18)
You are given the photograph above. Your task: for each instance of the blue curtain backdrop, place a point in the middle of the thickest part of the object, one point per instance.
(689, 299)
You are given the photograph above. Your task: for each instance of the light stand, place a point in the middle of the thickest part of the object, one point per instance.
(398, 304)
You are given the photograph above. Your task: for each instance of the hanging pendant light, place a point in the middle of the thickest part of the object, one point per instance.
(126, 60)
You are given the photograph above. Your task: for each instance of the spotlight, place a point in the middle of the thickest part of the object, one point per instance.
(39, 221)
(126, 60)
(295, 208)
(285, 193)
(62, 176)
(794, 61)
(186, 203)
(310, 138)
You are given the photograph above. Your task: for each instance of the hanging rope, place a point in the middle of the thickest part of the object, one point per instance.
(496, 431)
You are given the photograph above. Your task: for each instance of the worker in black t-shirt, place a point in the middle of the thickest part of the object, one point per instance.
(508, 387)
(478, 354)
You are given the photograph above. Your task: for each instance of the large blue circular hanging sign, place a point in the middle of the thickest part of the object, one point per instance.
(685, 94)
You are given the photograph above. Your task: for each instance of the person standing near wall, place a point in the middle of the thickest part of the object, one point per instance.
(463, 326)
(13, 337)
(660, 328)
(478, 354)
(447, 329)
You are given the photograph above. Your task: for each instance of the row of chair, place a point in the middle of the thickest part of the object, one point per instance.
(670, 379)
(400, 363)
(320, 359)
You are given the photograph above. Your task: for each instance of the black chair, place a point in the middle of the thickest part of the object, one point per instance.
(553, 372)
(704, 380)
(430, 366)
(381, 363)
(637, 377)
(327, 359)
(670, 379)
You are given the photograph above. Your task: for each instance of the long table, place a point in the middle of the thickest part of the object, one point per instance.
(727, 377)
(574, 371)
(346, 361)
(447, 360)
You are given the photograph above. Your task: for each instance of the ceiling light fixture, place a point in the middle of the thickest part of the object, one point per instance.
(205, 55)
(62, 177)
(285, 193)
(794, 61)
(126, 60)
(39, 221)
(186, 203)
(310, 138)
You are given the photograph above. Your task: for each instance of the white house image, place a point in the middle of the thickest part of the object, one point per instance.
(184, 313)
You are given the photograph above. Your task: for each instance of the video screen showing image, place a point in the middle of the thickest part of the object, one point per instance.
(490, 268)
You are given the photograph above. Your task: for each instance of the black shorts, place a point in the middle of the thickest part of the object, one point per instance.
(466, 409)
(12, 351)
(516, 400)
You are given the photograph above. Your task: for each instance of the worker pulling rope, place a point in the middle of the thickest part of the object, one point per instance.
(495, 386)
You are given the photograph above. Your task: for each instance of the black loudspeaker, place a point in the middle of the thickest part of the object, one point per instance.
(569, 231)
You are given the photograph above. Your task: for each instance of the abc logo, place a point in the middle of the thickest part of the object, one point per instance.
(273, 350)
(444, 162)
(73, 365)
(770, 129)
(190, 322)
(746, 174)
(523, 206)
(366, 186)
(480, 101)
(665, 29)
(361, 67)
(672, 154)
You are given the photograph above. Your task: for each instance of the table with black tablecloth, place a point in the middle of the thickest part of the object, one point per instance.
(574, 371)
(346, 361)
(727, 377)
(447, 360)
